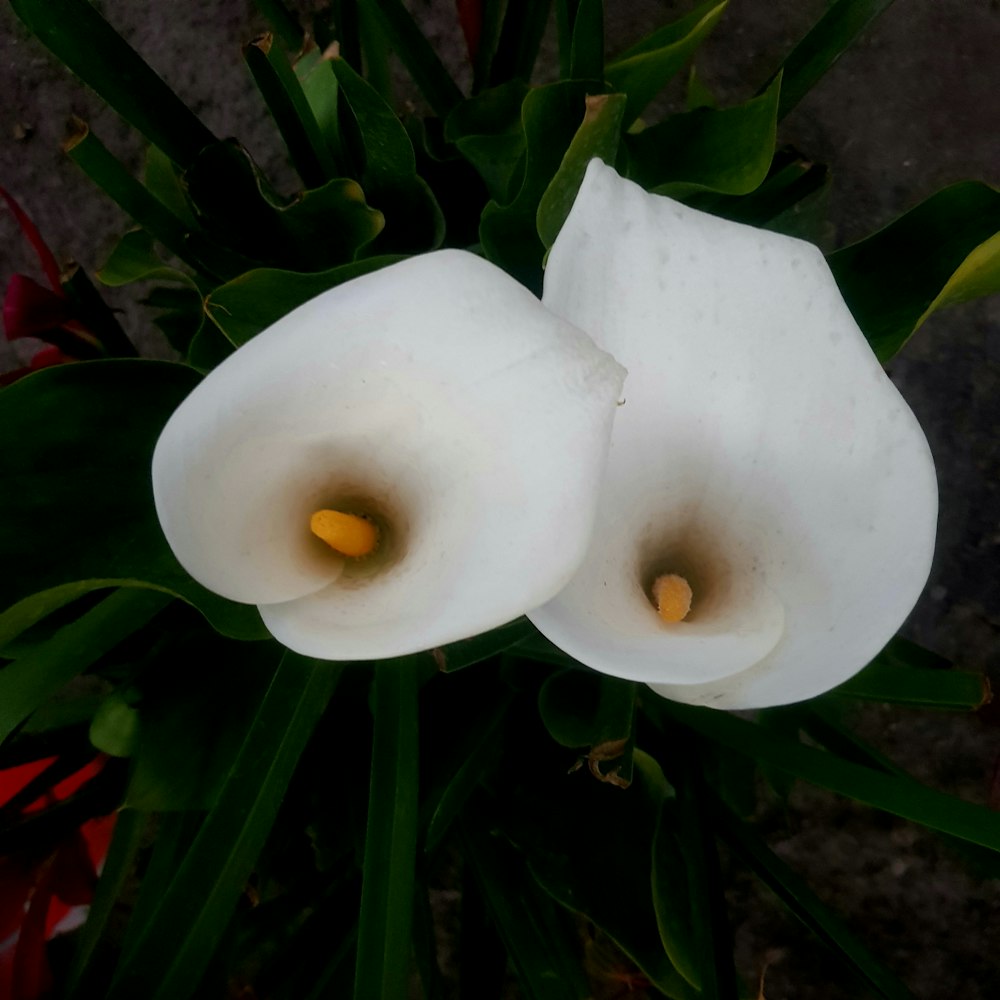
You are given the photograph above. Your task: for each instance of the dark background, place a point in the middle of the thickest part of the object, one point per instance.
(912, 107)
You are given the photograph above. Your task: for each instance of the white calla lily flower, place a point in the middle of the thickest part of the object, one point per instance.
(763, 468)
(409, 459)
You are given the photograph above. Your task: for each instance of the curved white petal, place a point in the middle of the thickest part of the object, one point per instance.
(761, 452)
(436, 395)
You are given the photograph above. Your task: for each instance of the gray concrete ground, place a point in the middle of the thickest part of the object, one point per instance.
(912, 107)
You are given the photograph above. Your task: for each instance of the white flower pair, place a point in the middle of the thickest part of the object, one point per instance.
(457, 433)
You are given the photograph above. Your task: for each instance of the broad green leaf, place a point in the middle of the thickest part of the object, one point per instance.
(75, 517)
(595, 713)
(598, 136)
(180, 313)
(82, 40)
(209, 347)
(173, 947)
(135, 259)
(489, 133)
(268, 62)
(162, 179)
(672, 895)
(727, 150)
(823, 46)
(283, 22)
(946, 250)
(897, 795)
(416, 53)
(383, 959)
(698, 94)
(794, 892)
(542, 945)
(643, 70)
(30, 681)
(550, 116)
(192, 722)
(589, 845)
(119, 865)
(252, 302)
(587, 53)
(413, 220)
(314, 232)
(212, 260)
(319, 84)
(376, 50)
(521, 34)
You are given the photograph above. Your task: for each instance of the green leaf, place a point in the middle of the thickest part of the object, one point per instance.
(916, 687)
(946, 250)
(672, 896)
(192, 722)
(470, 754)
(173, 947)
(823, 45)
(283, 23)
(728, 150)
(520, 37)
(267, 60)
(488, 131)
(74, 517)
(542, 946)
(643, 70)
(30, 681)
(119, 865)
(492, 12)
(252, 302)
(319, 85)
(134, 259)
(180, 315)
(209, 347)
(793, 891)
(589, 845)
(698, 93)
(897, 795)
(383, 959)
(81, 39)
(317, 230)
(587, 53)
(466, 652)
(164, 182)
(413, 220)
(416, 53)
(551, 116)
(598, 136)
(200, 254)
(595, 713)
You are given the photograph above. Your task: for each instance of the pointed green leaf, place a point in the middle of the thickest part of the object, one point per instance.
(728, 150)
(321, 90)
(551, 116)
(283, 23)
(643, 71)
(897, 795)
(598, 136)
(489, 133)
(383, 959)
(416, 53)
(134, 259)
(823, 45)
(946, 250)
(82, 40)
(64, 473)
(521, 34)
(215, 262)
(267, 60)
(542, 945)
(30, 681)
(793, 891)
(252, 302)
(172, 950)
(315, 231)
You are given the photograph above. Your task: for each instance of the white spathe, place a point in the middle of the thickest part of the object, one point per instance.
(436, 396)
(761, 452)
